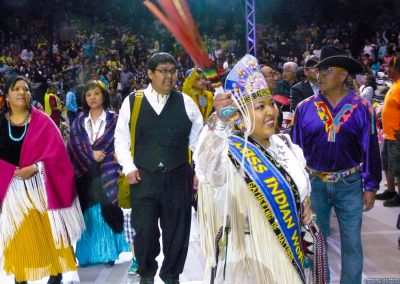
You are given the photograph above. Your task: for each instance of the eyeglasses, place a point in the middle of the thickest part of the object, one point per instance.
(167, 71)
(326, 71)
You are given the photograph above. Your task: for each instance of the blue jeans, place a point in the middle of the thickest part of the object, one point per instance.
(345, 197)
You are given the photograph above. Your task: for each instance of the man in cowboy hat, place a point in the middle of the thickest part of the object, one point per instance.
(337, 132)
(308, 87)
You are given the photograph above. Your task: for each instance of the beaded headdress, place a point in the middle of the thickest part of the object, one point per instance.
(246, 82)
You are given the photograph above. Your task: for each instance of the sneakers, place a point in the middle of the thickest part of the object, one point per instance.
(386, 195)
(394, 202)
(134, 266)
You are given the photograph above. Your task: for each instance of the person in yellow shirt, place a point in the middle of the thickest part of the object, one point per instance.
(195, 87)
(52, 104)
(391, 133)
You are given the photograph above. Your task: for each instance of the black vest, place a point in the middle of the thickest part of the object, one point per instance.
(162, 138)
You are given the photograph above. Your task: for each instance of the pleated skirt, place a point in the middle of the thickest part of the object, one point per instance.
(99, 243)
(31, 254)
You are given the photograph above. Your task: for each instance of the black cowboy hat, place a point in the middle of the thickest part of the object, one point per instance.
(311, 61)
(332, 56)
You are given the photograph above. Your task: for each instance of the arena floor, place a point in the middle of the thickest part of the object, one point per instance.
(381, 255)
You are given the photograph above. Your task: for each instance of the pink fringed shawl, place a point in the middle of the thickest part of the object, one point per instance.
(43, 143)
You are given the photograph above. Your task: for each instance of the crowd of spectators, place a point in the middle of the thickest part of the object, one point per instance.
(77, 50)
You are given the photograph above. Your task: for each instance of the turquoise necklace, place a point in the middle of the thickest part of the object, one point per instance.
(23, 134)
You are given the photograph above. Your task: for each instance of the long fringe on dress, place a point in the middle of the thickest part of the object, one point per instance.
(36, 242)
(252, 257)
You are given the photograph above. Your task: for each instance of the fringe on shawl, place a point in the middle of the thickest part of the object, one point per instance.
(71, 277)
(67, 224)
(258, 254)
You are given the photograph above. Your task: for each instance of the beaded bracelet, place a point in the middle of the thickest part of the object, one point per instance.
(214, 123)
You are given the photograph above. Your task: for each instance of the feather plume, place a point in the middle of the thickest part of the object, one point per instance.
(176, 17)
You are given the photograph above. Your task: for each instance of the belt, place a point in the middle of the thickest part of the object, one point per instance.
(333, 176)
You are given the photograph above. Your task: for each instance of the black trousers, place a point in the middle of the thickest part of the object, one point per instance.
(165, 197)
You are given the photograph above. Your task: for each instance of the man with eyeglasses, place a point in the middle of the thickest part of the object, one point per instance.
(269, 74)
(306, 88)
(337, 131)
(160, 176)
(280, 90)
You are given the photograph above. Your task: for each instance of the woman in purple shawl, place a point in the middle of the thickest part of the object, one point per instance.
(40, 216)
(91, 148)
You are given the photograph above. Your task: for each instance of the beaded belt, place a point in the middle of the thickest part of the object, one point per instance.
(333, 176)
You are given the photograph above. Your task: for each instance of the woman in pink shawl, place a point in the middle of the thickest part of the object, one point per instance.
(40, 215)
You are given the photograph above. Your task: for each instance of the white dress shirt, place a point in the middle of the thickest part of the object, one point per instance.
(314, 88)
(98, 127)
(157, 102)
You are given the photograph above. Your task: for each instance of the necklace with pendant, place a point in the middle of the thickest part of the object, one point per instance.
(94, 134)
